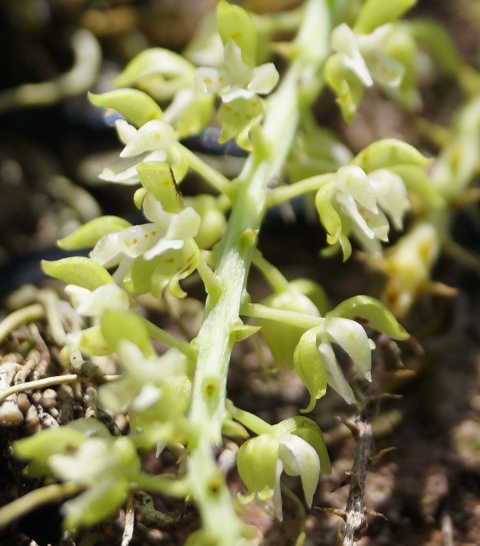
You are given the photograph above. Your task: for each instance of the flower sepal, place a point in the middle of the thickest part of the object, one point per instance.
(372, 313)
(135, 105)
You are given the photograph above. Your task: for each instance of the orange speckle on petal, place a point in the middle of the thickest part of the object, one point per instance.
(135, 241)
(207, 81)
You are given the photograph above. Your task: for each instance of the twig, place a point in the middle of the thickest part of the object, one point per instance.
(355, 521)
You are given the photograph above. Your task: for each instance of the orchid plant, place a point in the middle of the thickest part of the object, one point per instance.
(175, 397)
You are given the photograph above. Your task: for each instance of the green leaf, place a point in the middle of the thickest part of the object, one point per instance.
(309, 367)
(88, 235)
(234, 23)
(387, 153)
(370, 312)
(157, 178)
(78, 270)
(136, 106)
(119, 325)
(376, 13)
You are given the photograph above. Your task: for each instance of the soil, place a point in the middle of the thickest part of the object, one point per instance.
(423, 482)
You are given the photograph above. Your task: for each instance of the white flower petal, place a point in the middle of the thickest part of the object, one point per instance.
(125, 131)
(239, 73)
(210, 80)
(108, 296)
(107, 251)
(76, 294)
(344, 41)
(277, 495)
(335, 377)
(376, 39)
(153, 211)
(153, 135)
(234, 93)
(299, 458)
(391, 195)
(148, 395)
(265, 78)
(349, 208)
(377, 222)
(352, 338)
(385, 70)
(185, 224)
(162, 246)
(124, 172)
(353, 181)
(90, 461)
(136, 240)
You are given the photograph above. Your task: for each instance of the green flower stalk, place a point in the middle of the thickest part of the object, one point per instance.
(234, 256)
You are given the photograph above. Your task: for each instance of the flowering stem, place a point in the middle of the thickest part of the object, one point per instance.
(234, 255)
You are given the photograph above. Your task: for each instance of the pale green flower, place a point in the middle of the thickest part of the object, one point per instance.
(238, 84)
(92, 303)
(365, 200)
(236, 78)
(350, 336)
(151, 388)
(362, 197)
(166, 231)
(358, 63)
(315, 359)
(284, 453)
(294, 446)
(152, 142)
(361, 54)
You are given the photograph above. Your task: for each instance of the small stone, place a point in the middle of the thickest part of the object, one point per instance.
(49, 399)
(23, 402)
(10, 415)
(31, 420)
